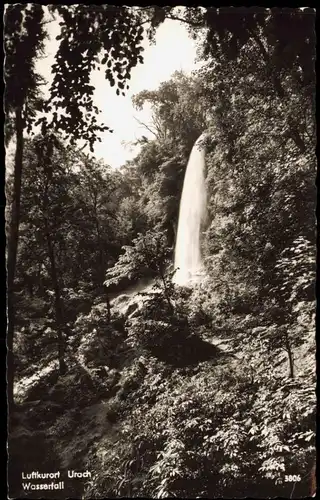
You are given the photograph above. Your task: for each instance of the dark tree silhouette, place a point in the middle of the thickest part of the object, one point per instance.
(24, 37)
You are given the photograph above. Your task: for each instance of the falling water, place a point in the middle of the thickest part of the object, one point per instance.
(188, 261)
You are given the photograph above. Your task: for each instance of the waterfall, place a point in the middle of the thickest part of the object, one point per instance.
(188, 261)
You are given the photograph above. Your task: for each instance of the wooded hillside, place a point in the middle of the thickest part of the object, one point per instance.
(160, 390)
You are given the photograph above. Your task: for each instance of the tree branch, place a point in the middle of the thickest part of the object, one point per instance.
(146, 126)
(186, 21)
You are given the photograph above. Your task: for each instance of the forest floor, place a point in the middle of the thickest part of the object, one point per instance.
(79, 421)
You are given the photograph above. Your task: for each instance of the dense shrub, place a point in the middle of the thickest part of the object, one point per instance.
(98, 338)
(207, 433)
(178, 392)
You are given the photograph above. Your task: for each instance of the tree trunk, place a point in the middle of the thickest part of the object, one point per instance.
(165, 290)
(47, 172)
(290, 356)
(12, 248)
(102, 260)
(108, 307)
(57, 303)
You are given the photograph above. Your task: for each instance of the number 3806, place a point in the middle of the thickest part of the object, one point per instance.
(292, 478)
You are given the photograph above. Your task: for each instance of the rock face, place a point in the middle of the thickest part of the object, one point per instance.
(133, 307)
(131, 304)
(29, 388)
(126, 305)
(121, 299)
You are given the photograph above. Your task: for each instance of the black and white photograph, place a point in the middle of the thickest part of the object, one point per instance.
(160, 222)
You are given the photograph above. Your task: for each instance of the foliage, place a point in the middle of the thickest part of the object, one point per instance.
(106, 37)
(163, 339)
(98, 338)
(179, 112)
(297, 266)
(179, 116)
(189, 435)
(200, 392)
(229, 31)
(81, 216)
(24, 38)
(147, 256)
